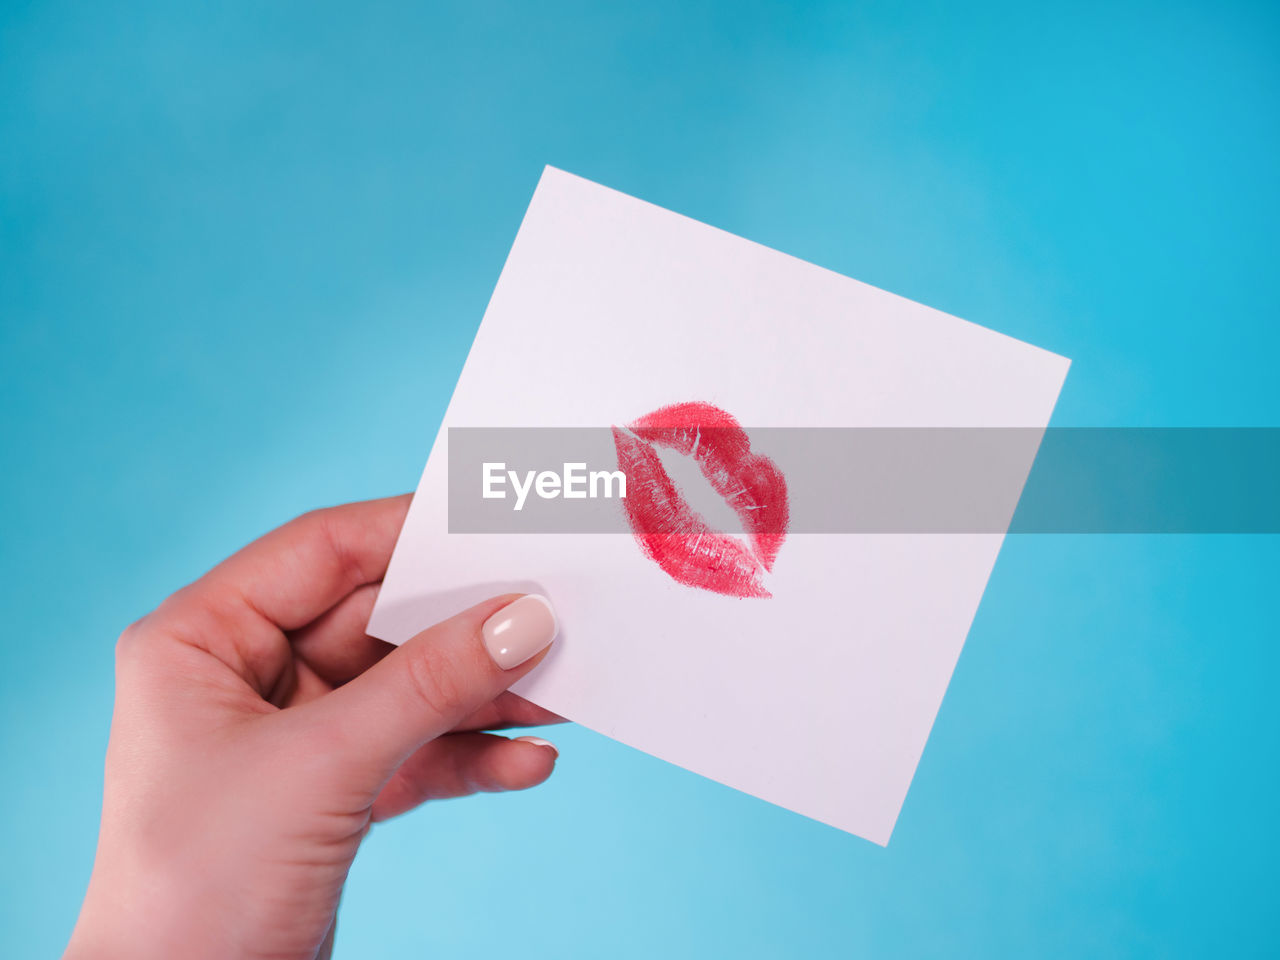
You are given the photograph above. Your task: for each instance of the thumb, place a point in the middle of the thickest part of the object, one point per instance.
(423, 689)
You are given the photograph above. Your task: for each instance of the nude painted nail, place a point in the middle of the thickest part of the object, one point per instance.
(539, 742)
(519, 630)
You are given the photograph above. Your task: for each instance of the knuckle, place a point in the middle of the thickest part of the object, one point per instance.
(134, 637)
(308, 516)
(323, 526)
(434, 677)
(309, 524)
(177, 615)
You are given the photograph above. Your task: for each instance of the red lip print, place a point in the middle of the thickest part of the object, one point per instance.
(670, 532)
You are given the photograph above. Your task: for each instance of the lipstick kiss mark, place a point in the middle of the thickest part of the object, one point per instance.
(673, 534)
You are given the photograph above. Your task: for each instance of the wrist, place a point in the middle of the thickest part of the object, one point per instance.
(131, 917)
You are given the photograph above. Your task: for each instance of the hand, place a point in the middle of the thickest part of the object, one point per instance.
(258, 733)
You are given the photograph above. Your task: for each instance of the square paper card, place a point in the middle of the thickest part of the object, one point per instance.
(724, 467)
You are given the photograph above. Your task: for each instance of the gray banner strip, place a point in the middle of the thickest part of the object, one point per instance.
(887, 480)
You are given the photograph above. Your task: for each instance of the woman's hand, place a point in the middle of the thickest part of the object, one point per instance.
(258, 733)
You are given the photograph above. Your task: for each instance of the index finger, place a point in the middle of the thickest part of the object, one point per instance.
(298, 571)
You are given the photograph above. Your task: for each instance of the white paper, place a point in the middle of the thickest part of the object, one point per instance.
(819, 698)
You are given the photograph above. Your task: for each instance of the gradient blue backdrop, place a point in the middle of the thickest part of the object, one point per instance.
(242, 255)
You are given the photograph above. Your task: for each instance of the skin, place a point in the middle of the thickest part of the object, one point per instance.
(258, 734)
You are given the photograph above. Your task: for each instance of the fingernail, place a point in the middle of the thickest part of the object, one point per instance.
(538, 741)
(519, 630)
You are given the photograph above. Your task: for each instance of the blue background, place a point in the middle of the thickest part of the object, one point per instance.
(243, 252)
